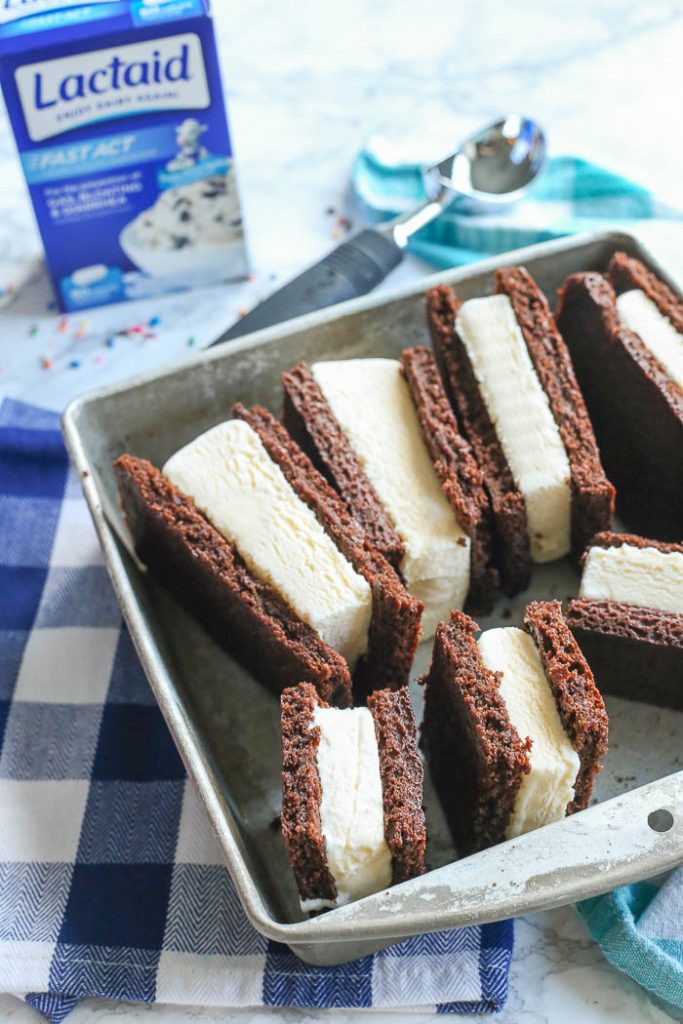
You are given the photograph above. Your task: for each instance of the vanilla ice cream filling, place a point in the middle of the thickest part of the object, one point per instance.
(549, 787)
(371, 402)
(521, 415)
(645, 577)
(352, 805)
(232, 479)
(639, 313)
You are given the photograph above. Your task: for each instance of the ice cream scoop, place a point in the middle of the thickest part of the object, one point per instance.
(494, 166)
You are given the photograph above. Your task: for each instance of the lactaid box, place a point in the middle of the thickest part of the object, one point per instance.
(118, 113)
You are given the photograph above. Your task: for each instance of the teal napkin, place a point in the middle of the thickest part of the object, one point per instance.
(640, 930)
(571, 195)
(639, 927)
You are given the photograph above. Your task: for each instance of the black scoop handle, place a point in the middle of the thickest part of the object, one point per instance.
(353, 268)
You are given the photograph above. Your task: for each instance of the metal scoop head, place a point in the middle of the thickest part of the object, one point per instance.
(495, 165)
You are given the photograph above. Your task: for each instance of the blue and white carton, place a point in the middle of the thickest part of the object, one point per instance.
(119, 118)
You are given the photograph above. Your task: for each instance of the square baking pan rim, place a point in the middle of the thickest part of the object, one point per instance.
(633, 836)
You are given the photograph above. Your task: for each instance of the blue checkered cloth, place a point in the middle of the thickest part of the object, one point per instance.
(111, 882)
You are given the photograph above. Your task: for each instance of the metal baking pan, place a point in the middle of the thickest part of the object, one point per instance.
(226, 725)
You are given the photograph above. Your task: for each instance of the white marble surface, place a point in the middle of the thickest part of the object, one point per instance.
(307, 83)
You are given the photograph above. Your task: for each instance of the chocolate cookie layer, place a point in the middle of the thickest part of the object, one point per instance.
(608, 539)
(402, 778)
(302, 794)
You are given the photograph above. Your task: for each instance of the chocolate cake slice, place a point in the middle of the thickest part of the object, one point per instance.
(514, 727)
(383, 433)
(628, 619)
(513, 386)
(206, 574)
(352, 818)
(627, 348)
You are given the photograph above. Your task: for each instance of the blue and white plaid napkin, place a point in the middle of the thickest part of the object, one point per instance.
(111, 883)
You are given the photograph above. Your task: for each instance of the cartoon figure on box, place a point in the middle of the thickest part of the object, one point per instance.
(190, 152)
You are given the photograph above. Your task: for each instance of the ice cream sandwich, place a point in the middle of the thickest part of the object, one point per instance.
(628, 617)
(266, 508)
(625, 335)
(352, 818)
(383, 433)
(514, 727)
(516, 398)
